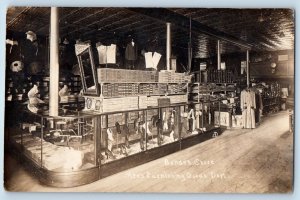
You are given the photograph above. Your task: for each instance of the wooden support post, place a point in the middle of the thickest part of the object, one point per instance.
(247, 67)
(54, 62)
(219, 55)
(168, 46)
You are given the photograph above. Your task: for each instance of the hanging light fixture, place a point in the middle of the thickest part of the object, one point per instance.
(66, 41)
(260, 18)
(273, 67)
(281, 34)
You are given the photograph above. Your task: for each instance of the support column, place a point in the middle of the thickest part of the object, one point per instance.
(247, 68)
(219, 55)
(168, 46)
(190, 51)
(54, 62)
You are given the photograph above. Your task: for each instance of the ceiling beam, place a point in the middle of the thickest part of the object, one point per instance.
(165, 15)
(17, 16)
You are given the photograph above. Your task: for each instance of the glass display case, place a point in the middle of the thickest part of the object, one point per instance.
(77, 148)
(56, 146)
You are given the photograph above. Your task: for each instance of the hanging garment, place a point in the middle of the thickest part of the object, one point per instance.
(192, 123)
(147, 128)
(248, 105)
(107, 54)
(136, 125)
(131, 52)
(155, 59)
(110, 139)
(259, 106)
(118, 127)
(13, 55)
(111, 54)
(30, 52)
(166, 117)
(102, 54)
(148, 60)
(142, 133)
(165, 126)
(127, 133)
(154, 120)
(198, 114)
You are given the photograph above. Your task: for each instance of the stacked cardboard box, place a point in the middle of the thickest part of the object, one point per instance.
(145, 101)
(125, 76)
(173, 77)
(176, 88)
(162, 88)
(120, 89)
(163, 76)
(178, 99)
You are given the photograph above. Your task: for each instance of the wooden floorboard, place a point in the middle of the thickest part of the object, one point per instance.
(244, 161)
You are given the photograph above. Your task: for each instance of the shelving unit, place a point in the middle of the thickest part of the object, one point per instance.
(132, 89)
(20, 94)
(73, 83)
(271, 104)
(271, 98)
(206, 90)
(214, 76)
(16, 93)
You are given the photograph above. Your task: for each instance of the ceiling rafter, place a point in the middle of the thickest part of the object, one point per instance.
(166, 15)
(88, 27)
(119, 22)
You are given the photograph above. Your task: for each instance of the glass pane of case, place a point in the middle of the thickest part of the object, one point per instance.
(169, 123)
(28, 137)
(68, 143)
(206, 115)
(122, 135)
(212, 118)
(151, 128)
(189, 118)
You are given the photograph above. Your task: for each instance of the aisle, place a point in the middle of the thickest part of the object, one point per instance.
(258, 160)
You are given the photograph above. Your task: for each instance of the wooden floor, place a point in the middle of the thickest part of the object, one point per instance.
(239, 161)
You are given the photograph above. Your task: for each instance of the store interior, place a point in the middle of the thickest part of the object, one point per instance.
(94, 91)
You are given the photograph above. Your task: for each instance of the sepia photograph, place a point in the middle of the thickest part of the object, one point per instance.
(149, 100)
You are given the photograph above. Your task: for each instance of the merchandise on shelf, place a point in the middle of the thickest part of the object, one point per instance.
(206, 91)
(271, 96)
(14, 92)
(173, 77)
(215, 76)
(107, 75)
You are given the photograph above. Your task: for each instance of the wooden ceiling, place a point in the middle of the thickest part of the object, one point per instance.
(263, 29)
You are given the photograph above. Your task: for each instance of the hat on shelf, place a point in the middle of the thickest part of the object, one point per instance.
(16, 66)
(31, 36)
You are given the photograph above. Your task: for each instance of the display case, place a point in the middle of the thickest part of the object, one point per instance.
(61, 150)
(77, 148)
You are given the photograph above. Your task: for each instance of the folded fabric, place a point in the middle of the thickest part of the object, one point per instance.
(152, 60)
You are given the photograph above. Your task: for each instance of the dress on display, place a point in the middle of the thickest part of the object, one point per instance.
(248, 106)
